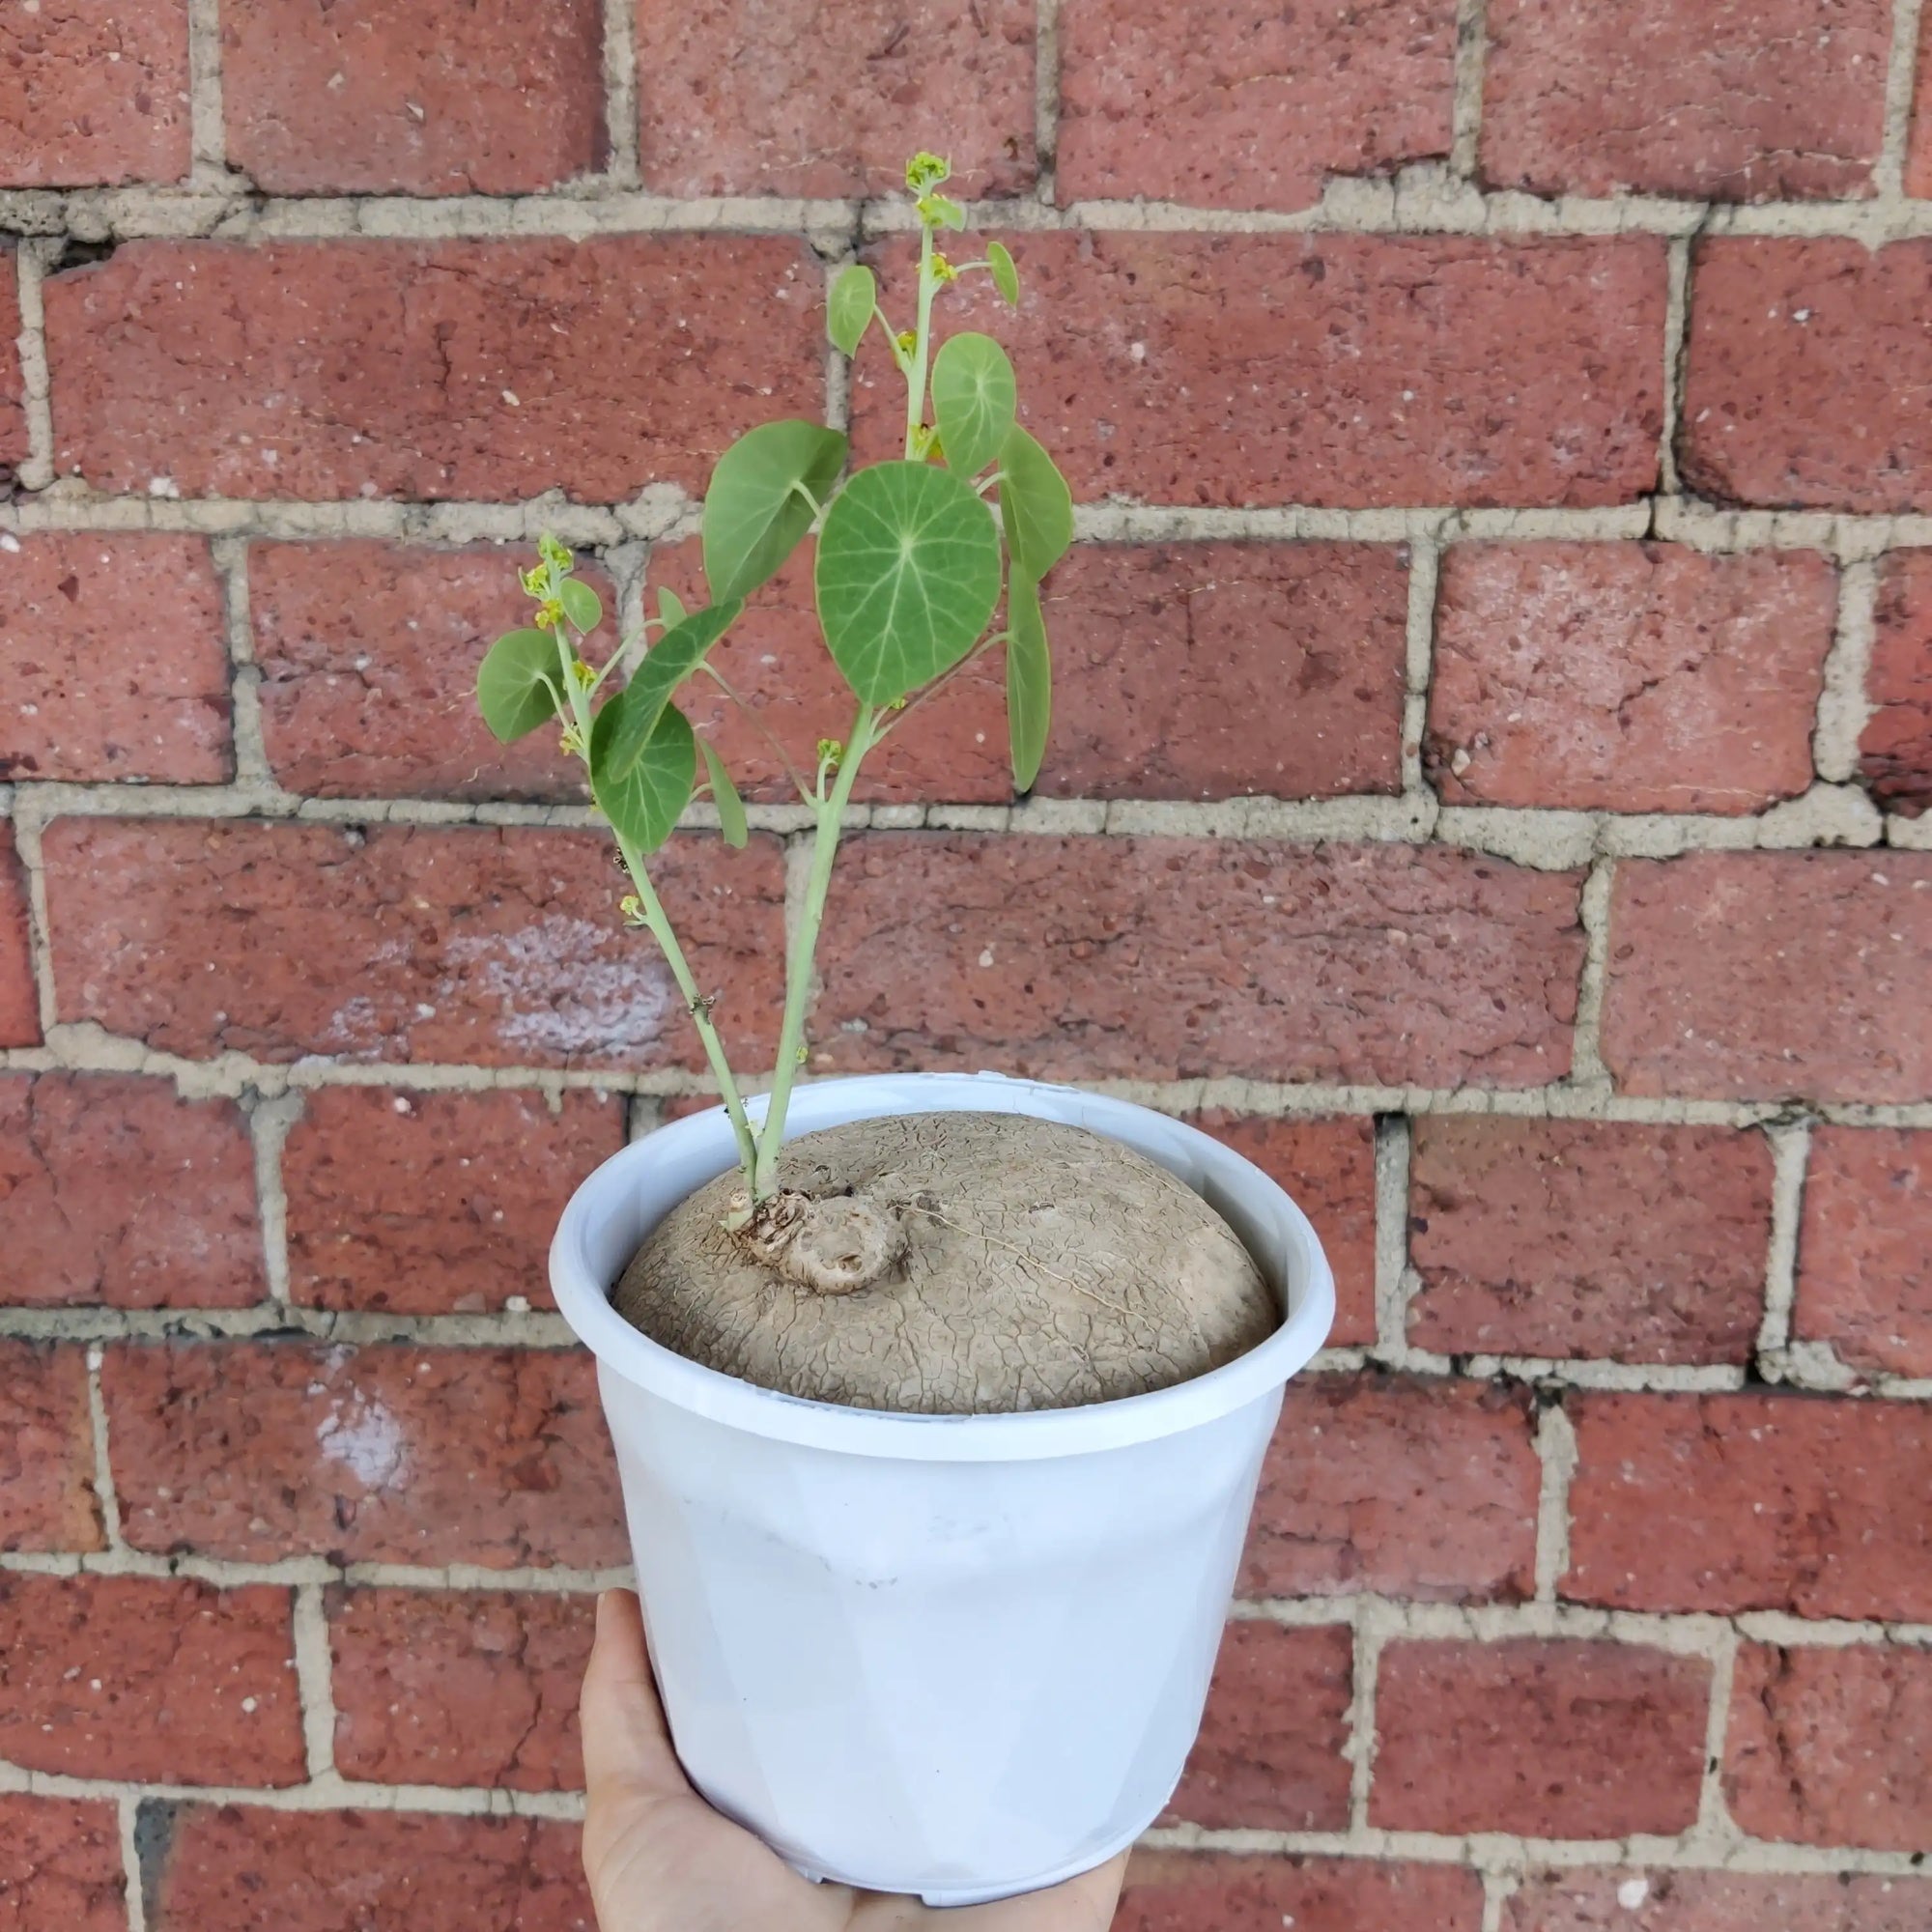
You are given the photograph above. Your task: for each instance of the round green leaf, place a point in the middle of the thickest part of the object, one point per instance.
(854, 296)
(644, 804)
(908, 573)
(1036, 505)
(670, 608)
(725, 795)
(633, 714)
(1029, 680)
(754, 515)
(1005, 278)
(579, 604)
(517, 684)
(973, 397)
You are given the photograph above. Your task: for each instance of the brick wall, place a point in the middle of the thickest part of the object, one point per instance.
(1495, 708)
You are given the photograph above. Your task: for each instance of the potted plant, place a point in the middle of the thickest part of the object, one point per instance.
(938, 1400)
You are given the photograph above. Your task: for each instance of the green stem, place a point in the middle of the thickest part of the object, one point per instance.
(803, 950)
(922, 346)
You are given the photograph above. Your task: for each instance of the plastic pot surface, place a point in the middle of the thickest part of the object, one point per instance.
(958, 1656)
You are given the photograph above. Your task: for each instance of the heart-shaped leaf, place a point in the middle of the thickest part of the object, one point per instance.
(725, 795)
(644, 804)
(854, 296)
(628, 721)
(973, 397)
(908, 573)
(519, 682)
(1029, 680)
(754, 515)
(1036, 505)
(580, 605)
(670, 608)
(1005, 278)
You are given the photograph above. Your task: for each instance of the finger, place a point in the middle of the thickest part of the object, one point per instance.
(626, 1740)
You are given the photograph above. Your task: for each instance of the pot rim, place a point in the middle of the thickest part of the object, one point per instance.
(1270, 1223)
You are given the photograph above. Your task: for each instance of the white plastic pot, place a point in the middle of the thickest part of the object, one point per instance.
(958, 1656)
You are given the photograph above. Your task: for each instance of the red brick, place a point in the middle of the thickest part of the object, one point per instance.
(236, 1869)
(1425, 1489)
(114, 1189)
(386, 1454)
(1236, 105)
(13, 408)
(1717, 1901)
(369, 654)
(1271, 1749)
(1865, 1253)
(1330, 1168)
(1827, 1746)
(1809, 381)
(1895, 750)
(434, 1203)
(1762, 975)
(47, 1449)
(1205, 1892)
(1587, 1237)
(1776, 101)
(112, 652)
(429, 369)
(1626, 677)
(149, 1677)
(19, 1004)
(1750, 1502)
(90, 97)
(500, 946)
(836, 96)
(1381, 963)
(467, 1688)
(1918, 151)
(474, 97)
(59, 1866)
(1345, 370)
(1552, 1738)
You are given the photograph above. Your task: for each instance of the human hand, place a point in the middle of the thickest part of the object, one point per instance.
(661, 1859)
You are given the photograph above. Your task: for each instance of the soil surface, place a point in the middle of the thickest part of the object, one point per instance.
(964, 1263)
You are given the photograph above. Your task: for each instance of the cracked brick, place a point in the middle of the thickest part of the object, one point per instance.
(59, 1866)
(1865, 1248)
(20, 1003)
(1895, 746)
(1662, 1900)
(46, 1448)
(1213, 1891)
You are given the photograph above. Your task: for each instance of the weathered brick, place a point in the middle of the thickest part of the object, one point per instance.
(1895, 748)
(1827, 1746)
(19, 1004)
(434, 1203)
(92, 95)
(473, 97)
(149, 1677)
(1345, 370)
(1552, 1738)
(1206, 1892)
(114, 1189)
(46, 1448)
(1865, 1253)
(467, 943)
(59, 1866)
(1750, 1502)
(13, 406)
(429, 369)
(1270, 1751)
(1717, 1901)
(1283, 962)
(1330, 1168)
(1587, 1237)
(1782, 101)
(237, 1869)
(470, 1687)
(1626, 677)
(369, 654)
(1418, 1489)
(834, 100)
(1919, 150)
(1809, 375)
(1743, 976)
(1236, 105)
(112, 654)
(386, 1454)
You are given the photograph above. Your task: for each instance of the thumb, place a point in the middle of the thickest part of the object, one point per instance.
(626, 1742)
